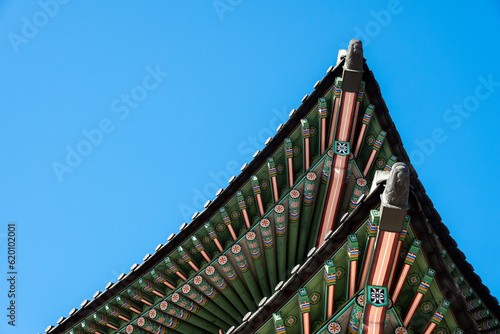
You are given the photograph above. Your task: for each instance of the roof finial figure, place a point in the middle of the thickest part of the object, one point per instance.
(354, 57)
(397, 188)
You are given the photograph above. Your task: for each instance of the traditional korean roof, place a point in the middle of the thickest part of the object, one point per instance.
(292, 243)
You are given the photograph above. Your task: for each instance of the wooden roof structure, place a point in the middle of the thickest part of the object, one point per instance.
(326, 230)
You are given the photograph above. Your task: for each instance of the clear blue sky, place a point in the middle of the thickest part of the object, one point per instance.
(182, 93)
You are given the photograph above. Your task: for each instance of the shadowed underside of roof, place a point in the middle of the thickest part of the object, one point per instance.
(292, 244)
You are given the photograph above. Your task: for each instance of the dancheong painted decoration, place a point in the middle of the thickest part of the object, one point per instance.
(327, 230)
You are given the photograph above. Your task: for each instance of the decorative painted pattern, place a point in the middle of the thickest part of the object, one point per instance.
(340, 273)
(400, 330)
(329, 272)
(255, 184)
(304, 126)
(266, 233)
(352, 247)
(327, 167)
(290, 320)
(296, 150)
(171, 267)
(278, 324)
(280, 168)
(210, 231)
(474, 303)
(253, 245)
(314, 297)
(370, 140)
(412, 253)
(304, 303)
(194, 295)
(184, 256)
(216, 278)
(241, 200)
(227, 268)
(225, 217)
(380, 163)
(439, 315)
(372, 224)
(279, 220)
(309, 187)
(359, 189)
(392, 160)
(488, 324)
(337, 88)
(355, 319)
(368, 114)
(413, 279)
(204, 286)
(334, 328)
(294, 206)
(240, 258)
(480, 314)
(322, 108)
(288, 148)
(361, 92)
(184, 303)
(404, 231)
(426, 281)
(380, 140)
(377, 295)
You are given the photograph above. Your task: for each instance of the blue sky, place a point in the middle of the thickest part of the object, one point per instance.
(175, 96)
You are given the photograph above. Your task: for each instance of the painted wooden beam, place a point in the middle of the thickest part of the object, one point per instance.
(364, 125)
(321, 197)
(200, 249)
(305, 310)
(127, 304)
(266, 234)
(258, 262)
(271, 167)
(103, 319)
(257, 193)
(204, 302)
(161, 278)
(243, 208)
(421, 291)
(116, 312)
(281, 232)
(235, 281)
(242, 263)
(229, 314)
(293, 228)
(148, 286)
(359, 100)
(409, 260)
(226, 289)
(194, 309)
(137, 295)
(227, 222)
(213, 236)
(330, 278)
(437, 317)
(172, 269)
(353, 255)
(306, 215)
(359, 189)
(376, 147)
(371, 232)
(306, 134)
(402, 237)
(323, 114)
(279, 326)
(289, 161)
